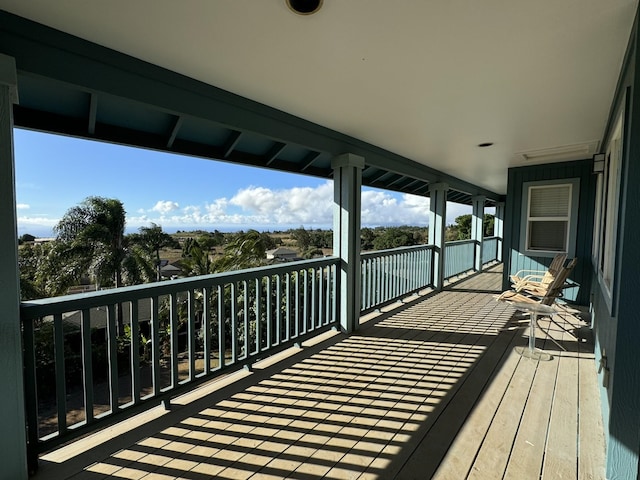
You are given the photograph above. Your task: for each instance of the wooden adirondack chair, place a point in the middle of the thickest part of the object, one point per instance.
(539, 278)
(544, 295)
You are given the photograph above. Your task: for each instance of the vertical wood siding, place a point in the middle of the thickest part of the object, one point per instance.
(582, 274)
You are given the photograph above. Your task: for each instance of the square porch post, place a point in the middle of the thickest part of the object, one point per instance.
(437, 226)
(477, 230)
(498, 228)
(13, 442)
(347, 183)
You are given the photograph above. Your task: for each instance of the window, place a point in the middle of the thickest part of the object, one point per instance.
(549, 211)
(606, 218)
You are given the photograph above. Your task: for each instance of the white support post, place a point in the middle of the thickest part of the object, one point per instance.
(13, 442)
(498, 228)
(437, 226)
(477, 229)
(347, 183)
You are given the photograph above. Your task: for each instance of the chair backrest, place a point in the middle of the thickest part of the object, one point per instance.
(554, 268)
(556, 286)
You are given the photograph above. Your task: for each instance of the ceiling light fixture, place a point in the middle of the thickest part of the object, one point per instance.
(304, 7)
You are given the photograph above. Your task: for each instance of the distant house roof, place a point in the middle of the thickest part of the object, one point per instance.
(281, 252)
(170, 270)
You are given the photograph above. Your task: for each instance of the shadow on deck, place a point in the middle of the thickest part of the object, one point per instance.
(429, 389)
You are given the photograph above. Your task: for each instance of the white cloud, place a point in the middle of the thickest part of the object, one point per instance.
(165, 206)
(262, 207)
(40, 226)
(23, 206)
(38, 221)
(312, 206)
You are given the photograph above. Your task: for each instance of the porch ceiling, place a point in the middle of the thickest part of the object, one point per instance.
(413, 86)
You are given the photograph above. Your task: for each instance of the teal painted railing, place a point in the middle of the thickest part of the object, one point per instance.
(489, 249)
(388, 274)
(175, 334)
(172, 335)
(458, 257)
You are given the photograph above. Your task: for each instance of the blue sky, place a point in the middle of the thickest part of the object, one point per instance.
(55, 173)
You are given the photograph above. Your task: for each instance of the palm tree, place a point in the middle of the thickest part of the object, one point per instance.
(152, 239)
(95, 231)
(92, 236)
(245, 250)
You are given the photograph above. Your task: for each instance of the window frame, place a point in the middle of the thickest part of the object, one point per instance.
(571, 218)
(607, 212)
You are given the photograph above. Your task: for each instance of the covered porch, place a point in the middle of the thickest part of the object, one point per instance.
(427, 387)
(482, 106)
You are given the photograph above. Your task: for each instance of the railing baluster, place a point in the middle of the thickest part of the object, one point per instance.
(335, 293)
(234, 324)
(269, 288)
(112, 349)
(191, 330)
(320, 274)
(87, 365)
(306, 300)
(278, 307)
(287, 310)
(314, 299)
(245, 286)
(61, 390)
(155, 343)
(206, 326)
(260, 328)
(222, 322)
(173, 339)
(134, 331)
(298, 330)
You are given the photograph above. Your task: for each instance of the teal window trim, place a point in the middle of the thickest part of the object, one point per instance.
(572, 227)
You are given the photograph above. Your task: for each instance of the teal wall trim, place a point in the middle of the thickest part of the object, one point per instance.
(516, 259)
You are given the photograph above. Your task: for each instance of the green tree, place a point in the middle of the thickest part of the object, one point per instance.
(27, 237)
(302, 238)
(197, 261)
(245, 250)
(30, 258)
(367, 236)
(95, 232)
(463, 226)
(152, 239)
(92, 239)
(392, 238)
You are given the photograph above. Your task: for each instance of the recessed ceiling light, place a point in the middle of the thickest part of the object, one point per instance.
(304, 7)
(485, 144)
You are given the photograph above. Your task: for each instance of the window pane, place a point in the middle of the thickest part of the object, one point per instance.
(548, 236)
(550, 201)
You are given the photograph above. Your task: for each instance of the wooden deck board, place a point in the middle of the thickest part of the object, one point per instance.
(591, 442)
(561, 454)
(433, 388)
(527, 454)
(459, 458)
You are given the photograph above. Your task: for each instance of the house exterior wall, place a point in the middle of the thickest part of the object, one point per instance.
(616, 318)
(516, 259)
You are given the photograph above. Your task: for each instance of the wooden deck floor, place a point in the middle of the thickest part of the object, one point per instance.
(432, 389)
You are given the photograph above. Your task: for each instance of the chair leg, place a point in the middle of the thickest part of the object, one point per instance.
(549, 336)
